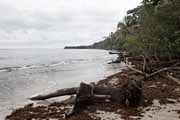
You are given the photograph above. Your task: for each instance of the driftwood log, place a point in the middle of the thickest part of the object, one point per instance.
(169, 66)
(121, 56)
(130, 95)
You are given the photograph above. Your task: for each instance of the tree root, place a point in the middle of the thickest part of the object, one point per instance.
(130, 94)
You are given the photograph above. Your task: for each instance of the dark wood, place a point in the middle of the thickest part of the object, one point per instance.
(120, 95)
(129, 94)
(61, 92)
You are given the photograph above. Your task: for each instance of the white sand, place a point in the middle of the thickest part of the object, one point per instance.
(103, 115)
(161, 112)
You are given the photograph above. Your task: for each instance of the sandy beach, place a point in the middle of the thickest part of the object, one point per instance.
(161, 102)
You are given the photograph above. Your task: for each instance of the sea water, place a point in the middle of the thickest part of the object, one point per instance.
(26, 72)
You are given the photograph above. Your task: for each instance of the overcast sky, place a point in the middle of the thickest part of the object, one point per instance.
(56, 23)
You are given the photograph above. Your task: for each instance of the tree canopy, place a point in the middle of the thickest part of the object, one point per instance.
(151, 29)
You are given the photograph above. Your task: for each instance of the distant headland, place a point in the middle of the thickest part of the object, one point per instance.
(106, 44)
(78, 47)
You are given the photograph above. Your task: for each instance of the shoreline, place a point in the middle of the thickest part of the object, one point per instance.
(18, 85)
(159, 93)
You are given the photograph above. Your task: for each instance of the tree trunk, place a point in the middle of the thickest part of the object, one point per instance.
(126, 92)
(130, 94)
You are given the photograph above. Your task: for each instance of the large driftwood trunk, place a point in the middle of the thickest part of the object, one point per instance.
(122, 94)
(129, 94)
(115, 93)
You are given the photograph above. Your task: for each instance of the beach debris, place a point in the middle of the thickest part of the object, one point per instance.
(161, 112)
(129, 94)
(104, 115)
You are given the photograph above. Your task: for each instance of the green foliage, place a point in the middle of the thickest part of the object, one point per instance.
(133, 45)
(151, 29)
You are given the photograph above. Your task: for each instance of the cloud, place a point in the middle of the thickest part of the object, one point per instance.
(56, 23)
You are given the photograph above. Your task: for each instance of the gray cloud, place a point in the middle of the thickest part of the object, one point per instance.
(56, 23)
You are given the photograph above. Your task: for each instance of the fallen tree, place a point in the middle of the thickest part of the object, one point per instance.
(173, 78)
(154, 73)
(129, 94)
(169, 66)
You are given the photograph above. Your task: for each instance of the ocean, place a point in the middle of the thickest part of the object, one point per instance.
(28, 72)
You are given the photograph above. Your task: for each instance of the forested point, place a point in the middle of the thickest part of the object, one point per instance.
(150, 29)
